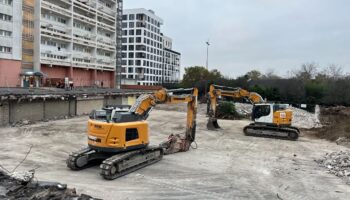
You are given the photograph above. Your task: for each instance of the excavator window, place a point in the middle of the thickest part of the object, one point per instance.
(278, 107)
(131, 134)
(261, 111)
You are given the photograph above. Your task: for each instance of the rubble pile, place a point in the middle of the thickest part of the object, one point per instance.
(305, 119)
(12, 188)
(244, 109)
(337, 163)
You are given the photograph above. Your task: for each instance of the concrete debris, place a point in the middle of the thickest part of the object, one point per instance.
(342, 141)
(22, 176)
(305, 119)
(23, 122)
(337, 163)
(13, 188)
(244, 109)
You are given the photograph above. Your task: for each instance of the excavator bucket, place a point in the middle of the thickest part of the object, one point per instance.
(213, 124)
(175, 144)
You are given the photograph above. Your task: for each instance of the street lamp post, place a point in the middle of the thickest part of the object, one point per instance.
(207, 65)
(208, 44)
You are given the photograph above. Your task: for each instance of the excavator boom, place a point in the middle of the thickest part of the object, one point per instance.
(216, 91)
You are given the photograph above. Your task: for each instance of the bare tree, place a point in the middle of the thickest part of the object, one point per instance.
(307, 71)
(270, 74)
(334, 71)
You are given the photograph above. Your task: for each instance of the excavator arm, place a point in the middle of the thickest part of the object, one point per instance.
(145, 103)
(216, 91)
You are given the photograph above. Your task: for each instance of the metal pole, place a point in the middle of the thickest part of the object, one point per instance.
(207, 64)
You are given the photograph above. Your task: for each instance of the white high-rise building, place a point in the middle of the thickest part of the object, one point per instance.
(143, 50)
(172, 59)
(10, 42)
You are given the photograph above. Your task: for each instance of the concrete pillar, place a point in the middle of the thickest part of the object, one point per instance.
(70, 73)
(113, 79)
(94, 77)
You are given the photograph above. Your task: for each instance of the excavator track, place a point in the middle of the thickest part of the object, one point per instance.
(288, 133)
(84, 158)
(125, 163)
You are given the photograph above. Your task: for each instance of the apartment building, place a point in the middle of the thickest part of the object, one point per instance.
(171, 59)
(147, 55)
(77, 40)
(69, 39)
(10, 42)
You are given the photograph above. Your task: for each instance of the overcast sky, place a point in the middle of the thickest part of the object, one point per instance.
(256, 34)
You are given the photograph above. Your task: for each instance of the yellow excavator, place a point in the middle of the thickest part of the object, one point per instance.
(118, 138)
(270, 119)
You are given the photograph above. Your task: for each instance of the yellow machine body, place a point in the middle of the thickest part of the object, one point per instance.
(117, 136)
(283, 118)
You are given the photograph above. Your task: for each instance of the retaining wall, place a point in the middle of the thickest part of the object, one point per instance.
(14, 111)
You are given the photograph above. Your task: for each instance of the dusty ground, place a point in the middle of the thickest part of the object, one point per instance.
(226, 165)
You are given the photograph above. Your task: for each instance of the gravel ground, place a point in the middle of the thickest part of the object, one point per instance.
(226, 164)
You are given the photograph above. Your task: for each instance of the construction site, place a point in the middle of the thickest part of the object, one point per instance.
(170, 100)
(218, 164)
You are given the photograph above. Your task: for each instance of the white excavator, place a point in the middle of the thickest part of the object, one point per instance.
(269, 119)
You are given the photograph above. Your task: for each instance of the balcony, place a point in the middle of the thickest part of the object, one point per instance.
(55, 8)
(54, 25)
(107, 10)
(82, 55)
(84, 19)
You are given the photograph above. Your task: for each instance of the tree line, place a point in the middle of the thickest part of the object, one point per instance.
(310, 84)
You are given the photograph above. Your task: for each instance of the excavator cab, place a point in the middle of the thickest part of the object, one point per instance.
(272, 114)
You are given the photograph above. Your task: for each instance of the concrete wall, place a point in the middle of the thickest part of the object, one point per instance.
(85, 106)
(33, 111)
(12, 111)
(115, 100)
(58, 109)
(4, 114)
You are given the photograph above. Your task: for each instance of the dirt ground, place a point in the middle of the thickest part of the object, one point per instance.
(336, 121)
(226, 164)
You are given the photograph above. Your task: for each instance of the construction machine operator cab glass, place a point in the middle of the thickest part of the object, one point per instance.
(100, 115)
(280, 107)
(261, 111)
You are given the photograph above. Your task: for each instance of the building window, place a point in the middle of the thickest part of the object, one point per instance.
(5, 33)
(6, 2)
(138, 32)
(138, 62)
(125, 17)
(132, 17)
(5, 17)
(5, 49)
(131, 25)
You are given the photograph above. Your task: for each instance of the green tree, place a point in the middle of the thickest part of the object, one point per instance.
(254, 75)
(200, 77)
